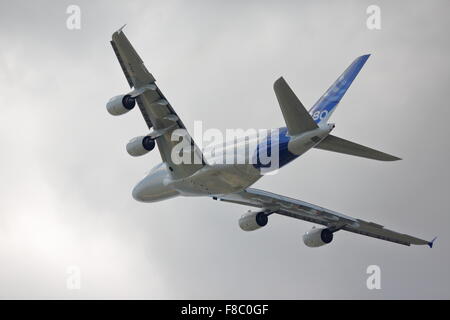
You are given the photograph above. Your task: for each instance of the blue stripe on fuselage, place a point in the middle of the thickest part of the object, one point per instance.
(264, 150)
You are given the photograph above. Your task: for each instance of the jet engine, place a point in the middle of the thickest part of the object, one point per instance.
(119, 105)
(253, 220)
(140, 145)
(317, 237)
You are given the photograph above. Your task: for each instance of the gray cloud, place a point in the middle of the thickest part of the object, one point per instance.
(67, 180)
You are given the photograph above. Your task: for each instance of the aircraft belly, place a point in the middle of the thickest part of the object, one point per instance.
(217, 179)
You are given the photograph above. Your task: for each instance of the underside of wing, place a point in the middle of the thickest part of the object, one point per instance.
(168, 129)
(297, 118)
(274, 203)
(132, 65)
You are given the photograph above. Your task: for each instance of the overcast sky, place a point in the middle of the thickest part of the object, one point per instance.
(66, 178)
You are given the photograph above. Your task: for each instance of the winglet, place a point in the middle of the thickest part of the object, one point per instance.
(120, 30)
(430, 244)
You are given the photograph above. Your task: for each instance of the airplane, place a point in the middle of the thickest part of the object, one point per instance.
(304, 131)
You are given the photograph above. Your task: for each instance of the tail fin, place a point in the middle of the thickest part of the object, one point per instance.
(333, 143)
(325, 106)
(297, 119)
(430, 244)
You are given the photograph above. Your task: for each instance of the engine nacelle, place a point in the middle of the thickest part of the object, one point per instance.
(140, 145)
(317, 237)
(253, 220)
(120, 104)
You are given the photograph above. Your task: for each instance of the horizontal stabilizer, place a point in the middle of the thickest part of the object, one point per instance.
(335, 144)
(297, 118)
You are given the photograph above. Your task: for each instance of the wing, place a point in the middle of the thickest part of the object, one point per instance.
(156, 110)
(309, 212)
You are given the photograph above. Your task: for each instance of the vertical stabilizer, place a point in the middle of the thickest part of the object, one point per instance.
(324, 107)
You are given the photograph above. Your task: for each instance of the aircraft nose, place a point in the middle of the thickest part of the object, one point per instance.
(138, 192)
